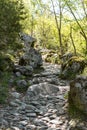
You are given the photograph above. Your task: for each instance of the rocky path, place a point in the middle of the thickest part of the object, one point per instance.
(43, 107)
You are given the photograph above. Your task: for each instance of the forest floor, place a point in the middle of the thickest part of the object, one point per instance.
(43, 107)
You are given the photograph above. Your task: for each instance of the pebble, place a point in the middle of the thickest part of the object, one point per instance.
(16, 94)
(31, 114)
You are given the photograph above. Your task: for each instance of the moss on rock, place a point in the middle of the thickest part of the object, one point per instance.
(73, 66)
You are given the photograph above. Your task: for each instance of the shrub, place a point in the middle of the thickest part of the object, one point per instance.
(4, 89)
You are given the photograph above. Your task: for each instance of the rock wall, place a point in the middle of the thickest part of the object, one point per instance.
(78, 93)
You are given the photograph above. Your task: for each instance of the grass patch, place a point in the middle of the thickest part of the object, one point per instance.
(66, 95)
(75, 112)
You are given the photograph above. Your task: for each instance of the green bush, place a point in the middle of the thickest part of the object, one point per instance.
(6, 63)
(4, 89)
(12, 16)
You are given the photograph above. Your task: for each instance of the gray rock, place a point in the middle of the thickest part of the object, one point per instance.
(35, 103)
(39, 123)
(30, 107)
(42, 88)
(24, 123)
(22, 106)
(18, 74)
(29, 111)
(23, 70)
(43, 128)
(54, 121)
(18, 101)
(46, 119)
(28, 40)
(31, 127)
(14, 128)
(4, 123)
(11, 81)
(16, 94)
(13, 104)
(52, 129)
(31, 114)
(21, 83)
(32, 58)
(78, 93)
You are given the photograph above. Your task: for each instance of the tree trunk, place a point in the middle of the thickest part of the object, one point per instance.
(58, 26)
(72, 40)
(32, 25)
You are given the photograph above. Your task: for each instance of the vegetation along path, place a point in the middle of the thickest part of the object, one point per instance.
(42, 107)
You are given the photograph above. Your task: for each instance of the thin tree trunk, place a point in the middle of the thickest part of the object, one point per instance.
(32, 25)
(72, 40)
(58, 28)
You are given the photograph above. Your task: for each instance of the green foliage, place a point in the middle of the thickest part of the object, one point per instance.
(4, 89)
(69, 75)
(66, 95)
(41, 23)
(47, 33)
(11, 14)
(6, 62)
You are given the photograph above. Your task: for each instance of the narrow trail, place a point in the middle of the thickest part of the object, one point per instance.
(43, 107)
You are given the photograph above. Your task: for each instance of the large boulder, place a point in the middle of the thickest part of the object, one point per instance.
(74, 65)
(28, 40)
(78, 93)
(32, 58)
(41, 89)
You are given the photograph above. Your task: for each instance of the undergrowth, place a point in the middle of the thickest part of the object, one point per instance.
(4, 86)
